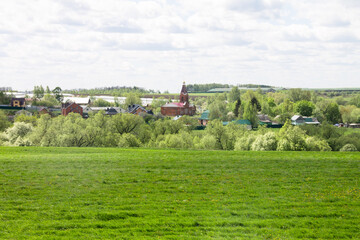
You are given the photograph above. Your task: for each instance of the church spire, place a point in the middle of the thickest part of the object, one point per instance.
(184, 96)
(183, 89)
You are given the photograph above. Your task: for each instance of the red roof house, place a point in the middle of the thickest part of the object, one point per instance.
(69, 107)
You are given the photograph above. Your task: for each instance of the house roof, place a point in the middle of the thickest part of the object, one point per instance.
(297, 117)
(133, 108)
(68, 104)
(176, 104)
(263, 117)
(111, 111)
(310, 119)
(240, 122)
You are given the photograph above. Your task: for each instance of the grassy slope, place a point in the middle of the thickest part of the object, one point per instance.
(89, 193)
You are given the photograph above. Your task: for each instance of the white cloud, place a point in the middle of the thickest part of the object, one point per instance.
(158, 43)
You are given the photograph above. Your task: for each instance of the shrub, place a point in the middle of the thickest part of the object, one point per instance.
(352, 138)
(15, 136)
(316, 144)
(244, 143)
(291, 139)
(348, 148)
(128, 140)
(208, 142)
(266, 142)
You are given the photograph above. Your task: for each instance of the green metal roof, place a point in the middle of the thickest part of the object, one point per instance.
(309, 119)
(205, 115)
(240, 122)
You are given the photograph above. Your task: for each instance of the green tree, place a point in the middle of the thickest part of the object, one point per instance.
(304, 108)
(256, 103)
(16, 135)
(332, 113)
(126, 123)
(132, 98)
(265, 142)
(237, 108)
(4, 98)
(297, 94)
(250, 113)
(218, 110)
(346, 113)
(26, 119)
(38, 92)
(48, 90)
(216, 129)
(234, 94)
(58, 94)
(291, 138)
(101, 103)
(4, 121)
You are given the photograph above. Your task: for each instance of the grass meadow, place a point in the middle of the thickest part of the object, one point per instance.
(109, 193)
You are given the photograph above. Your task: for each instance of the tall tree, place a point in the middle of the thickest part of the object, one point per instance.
(332, 113)
(4, 99)
(234, 94)
(256, 103)
(237, 107)
(132, 98)
(4, 121)
(58, 94)
(38, 92)
(250, 113)
(48, 90)
(304, 107)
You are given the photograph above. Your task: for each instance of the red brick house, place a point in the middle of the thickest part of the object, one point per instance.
(69, 107)
(179, 108)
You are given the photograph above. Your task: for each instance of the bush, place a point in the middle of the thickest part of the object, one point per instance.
(16, 135)
(244, 143)
(291, 139)
(348, 148)
(4, 122)
(352, 138)
(316, 144)
(208, 142)
(266, 142)
(128, 140)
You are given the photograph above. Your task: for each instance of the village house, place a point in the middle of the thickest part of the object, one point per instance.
(18, 102)
(69, 107)
(111, 110)
(138, 110)
(300, 120)
(179, 108)
(204, 119)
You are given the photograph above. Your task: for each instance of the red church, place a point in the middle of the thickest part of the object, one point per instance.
(179, 108)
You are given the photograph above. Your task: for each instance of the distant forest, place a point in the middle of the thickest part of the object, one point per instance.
(113, 91)
(202, 88)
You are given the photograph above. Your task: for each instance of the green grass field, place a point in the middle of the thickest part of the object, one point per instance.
(108, 193)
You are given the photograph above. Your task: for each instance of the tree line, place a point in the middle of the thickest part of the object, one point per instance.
(128, 130)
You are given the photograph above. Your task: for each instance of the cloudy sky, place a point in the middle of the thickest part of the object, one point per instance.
(158, 44)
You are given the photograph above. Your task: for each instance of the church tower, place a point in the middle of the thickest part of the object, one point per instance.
(184, 96)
